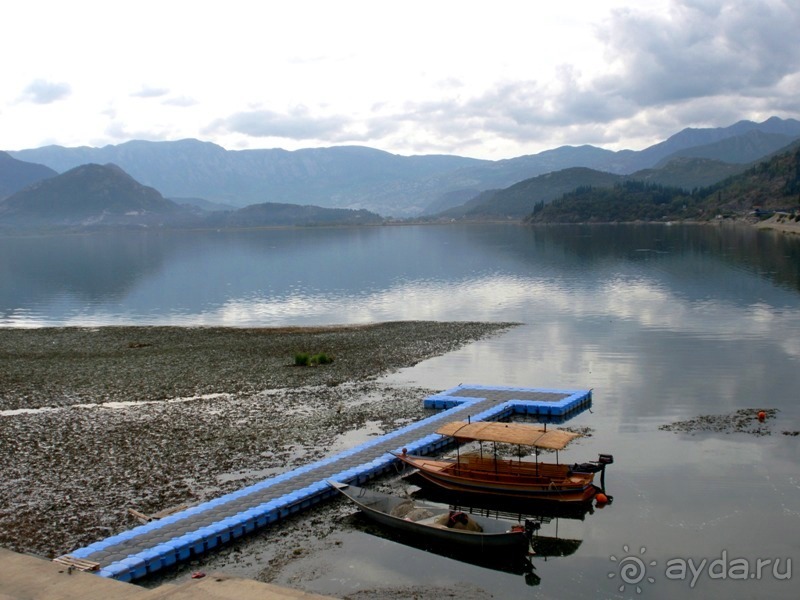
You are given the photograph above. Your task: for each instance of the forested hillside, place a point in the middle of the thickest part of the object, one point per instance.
(768, 186)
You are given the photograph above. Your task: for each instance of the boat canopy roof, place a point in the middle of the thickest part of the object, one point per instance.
(509, 433)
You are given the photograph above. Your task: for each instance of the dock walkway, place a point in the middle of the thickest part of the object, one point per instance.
(162, 543)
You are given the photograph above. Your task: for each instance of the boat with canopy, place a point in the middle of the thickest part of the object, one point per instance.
(476, 472)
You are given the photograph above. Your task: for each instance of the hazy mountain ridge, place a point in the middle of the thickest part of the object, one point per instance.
(341, 177)
(94, 195)
(689, 173)
(740, 149)
(691, 137)
(359, 177)
(519, 200)
(770, 185)
(276, 214)
(202, 204)
(90, 194)
(16, 175)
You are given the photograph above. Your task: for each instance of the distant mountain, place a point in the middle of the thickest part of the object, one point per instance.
(89, 195)
(742, 142)
(472, 180)
(519, 199)
(739, 149)
(341, 177)
(358, 177)
(688, 173)
(203, 204)
(689, 138)
(16, 175)
(772, 184)
(104, 195)
(273, 214)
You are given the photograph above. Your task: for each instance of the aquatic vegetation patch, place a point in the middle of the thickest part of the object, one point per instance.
(753, 421)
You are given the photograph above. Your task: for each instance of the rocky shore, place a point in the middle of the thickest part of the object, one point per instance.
(781, 222)
(96, 421)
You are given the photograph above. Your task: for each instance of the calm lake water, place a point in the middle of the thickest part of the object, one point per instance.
(663, 323)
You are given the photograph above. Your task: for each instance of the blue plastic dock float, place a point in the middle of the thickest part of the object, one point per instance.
(146, 549)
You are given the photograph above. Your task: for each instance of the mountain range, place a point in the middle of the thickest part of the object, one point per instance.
(765, 187)
(92, 195)
(16, 174)
(518, 200)
(354, 177)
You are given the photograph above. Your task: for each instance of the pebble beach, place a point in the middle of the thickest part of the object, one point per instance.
(96, 421)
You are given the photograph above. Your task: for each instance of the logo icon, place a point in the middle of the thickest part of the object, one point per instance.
(632, 570)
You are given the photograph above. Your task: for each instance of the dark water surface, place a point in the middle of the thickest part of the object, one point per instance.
(663, 323)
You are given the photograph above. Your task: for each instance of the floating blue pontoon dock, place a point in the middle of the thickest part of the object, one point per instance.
(160, 544)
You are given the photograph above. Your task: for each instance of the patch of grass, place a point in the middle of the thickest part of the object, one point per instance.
(321, 359)
(304, 359)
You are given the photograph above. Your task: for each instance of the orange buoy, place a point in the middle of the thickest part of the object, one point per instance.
(762, 415)
(601, 498)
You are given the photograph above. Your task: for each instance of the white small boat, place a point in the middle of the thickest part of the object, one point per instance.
(458, 529)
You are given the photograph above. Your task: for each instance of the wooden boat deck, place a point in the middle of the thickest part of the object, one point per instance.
(159, 544)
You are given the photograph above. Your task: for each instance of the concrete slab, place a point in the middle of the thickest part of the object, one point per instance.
(24, 577)
(218, 586)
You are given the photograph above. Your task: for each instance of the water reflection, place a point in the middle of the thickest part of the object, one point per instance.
(663, 323)
(362, 274)
(515, 563)
(552, 538)
(555, 536)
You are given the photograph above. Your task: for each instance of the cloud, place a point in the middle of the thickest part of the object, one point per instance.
(297, 124)
(150, 92)
(182, 101)
(519, 111)
(40, 91)
(652, 71)
(120, 132)
(701, 49)
(701, 62)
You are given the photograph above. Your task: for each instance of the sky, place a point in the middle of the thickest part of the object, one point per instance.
(487, 80)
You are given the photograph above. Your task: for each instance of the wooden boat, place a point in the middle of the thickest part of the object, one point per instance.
(522, 508)
(476, 473)
(458, 529)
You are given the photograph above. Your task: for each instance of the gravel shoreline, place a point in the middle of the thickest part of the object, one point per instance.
(94, 421)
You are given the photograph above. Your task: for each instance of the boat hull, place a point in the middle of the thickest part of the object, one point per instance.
(545, 481)
(496, 535)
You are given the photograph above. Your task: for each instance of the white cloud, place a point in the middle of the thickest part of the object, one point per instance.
(491, 81)
(40, 91)
(702, 49)
(181, 101)
(150, 92)
(297, 124)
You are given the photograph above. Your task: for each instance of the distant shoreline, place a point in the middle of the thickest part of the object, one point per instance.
(772, 223)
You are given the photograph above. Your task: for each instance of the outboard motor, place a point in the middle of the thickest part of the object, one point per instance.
(532, 526)
(603, 460)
